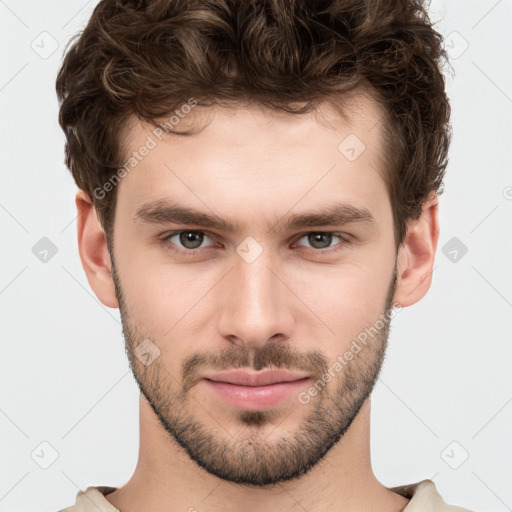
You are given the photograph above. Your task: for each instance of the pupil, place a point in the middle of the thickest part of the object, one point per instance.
(316, 237)
(188, 237)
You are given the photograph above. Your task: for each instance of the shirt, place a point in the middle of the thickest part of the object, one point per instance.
(423, 498)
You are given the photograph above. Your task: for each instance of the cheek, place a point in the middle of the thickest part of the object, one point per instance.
(341, 301)
(169, 302)
(159, 299)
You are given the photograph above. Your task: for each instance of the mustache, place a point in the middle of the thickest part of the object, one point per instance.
(272, 356)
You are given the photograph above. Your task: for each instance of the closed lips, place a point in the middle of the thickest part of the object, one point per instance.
(243, 378)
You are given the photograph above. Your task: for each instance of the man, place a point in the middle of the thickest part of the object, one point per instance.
(258, 195)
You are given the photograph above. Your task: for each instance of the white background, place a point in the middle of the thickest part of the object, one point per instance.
(64, 377)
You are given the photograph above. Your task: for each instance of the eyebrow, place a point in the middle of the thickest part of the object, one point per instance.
(338, 214)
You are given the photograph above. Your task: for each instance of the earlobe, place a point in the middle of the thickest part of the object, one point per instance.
(92, 246)
(416, 255)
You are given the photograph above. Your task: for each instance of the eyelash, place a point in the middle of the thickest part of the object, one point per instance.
(193, 252)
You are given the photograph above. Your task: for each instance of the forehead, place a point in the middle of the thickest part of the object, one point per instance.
(246, 123)
(253, 162)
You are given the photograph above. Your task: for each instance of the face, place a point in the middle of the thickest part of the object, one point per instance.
(256, 244)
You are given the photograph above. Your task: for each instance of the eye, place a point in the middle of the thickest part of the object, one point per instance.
(322, 239)
(189, 240)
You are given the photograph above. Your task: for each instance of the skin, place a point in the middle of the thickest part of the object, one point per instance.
(292, 307)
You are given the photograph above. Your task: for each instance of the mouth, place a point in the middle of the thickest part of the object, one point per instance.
(255, 391)
(262, 378)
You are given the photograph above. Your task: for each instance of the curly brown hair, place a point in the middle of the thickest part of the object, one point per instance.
(144, 58)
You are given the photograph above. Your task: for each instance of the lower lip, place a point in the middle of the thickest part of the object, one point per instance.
(256, 397)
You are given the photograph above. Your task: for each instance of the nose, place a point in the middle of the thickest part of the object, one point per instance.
(257, 306)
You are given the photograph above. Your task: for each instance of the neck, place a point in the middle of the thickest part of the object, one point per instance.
(167, 479)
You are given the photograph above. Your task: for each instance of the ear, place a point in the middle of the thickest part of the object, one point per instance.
(416, 255)
(93, 249)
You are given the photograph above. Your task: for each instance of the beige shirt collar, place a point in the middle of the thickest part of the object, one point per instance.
(423, 498)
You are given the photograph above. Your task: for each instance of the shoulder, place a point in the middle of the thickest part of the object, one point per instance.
(92, 500)
(424, 496)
